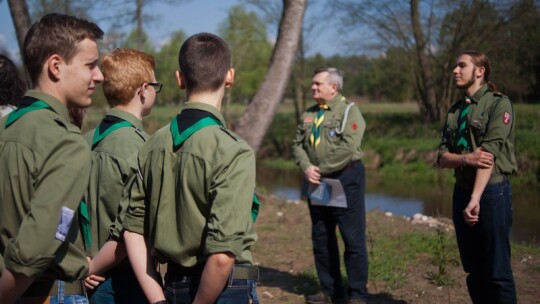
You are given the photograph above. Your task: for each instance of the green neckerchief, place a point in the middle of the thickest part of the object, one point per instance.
(85, 223)
(98, 137)
(179, 138)
(19, 112)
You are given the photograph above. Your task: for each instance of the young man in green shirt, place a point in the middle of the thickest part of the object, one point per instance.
(130, 88)
(191, 201)
(45, 164)
(478, 143)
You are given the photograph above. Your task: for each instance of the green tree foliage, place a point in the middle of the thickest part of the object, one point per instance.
(131, 42)
(166, 67)
(246, 35)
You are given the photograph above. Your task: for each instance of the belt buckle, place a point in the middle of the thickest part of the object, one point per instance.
(231, 277)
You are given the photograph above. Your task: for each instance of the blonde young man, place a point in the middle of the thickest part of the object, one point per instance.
(130, 88)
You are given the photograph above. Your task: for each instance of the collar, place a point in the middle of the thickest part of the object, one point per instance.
(205, 107)
(335, 101)
(54, 103)
(478, 94)
(126, 116)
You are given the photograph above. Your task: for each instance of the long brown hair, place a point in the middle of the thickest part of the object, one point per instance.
(480, 59)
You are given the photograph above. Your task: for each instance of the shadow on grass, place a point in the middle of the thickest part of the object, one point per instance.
(306, 283)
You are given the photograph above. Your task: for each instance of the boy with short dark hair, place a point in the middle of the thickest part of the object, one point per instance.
(192, 199)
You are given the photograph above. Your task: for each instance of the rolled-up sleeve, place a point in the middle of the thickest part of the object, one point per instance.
(133, 201)
(52, 221)
(231, 195)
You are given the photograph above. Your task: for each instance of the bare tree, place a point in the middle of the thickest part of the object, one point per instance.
(255, 121)
(428, 106)
(21, 19)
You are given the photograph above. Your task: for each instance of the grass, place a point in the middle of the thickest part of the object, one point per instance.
(395, 132)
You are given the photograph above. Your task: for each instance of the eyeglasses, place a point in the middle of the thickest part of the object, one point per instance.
(157, 86)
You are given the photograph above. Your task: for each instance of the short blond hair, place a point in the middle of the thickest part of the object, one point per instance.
(124, 71)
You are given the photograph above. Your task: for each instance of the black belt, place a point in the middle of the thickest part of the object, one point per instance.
(340, 171)
(239, 272)
(50, 288)
(492, 180)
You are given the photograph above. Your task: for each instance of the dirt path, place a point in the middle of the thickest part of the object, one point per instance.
(284, 256)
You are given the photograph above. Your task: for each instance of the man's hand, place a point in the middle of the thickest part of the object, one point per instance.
(480, 158)
(472, 211)
(313, 175)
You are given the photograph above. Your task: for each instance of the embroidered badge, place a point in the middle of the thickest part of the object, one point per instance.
(308, 119)
(506, 118)
(354, 126)
(476, 123)
(64, 223)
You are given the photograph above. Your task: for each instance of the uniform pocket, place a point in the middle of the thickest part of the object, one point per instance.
(478, 128)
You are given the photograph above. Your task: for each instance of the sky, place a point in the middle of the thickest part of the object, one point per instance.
(192, 17)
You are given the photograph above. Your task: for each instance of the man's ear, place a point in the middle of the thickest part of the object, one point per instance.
(180, 80)
(229, 78)
(480, 72)
(53, 65)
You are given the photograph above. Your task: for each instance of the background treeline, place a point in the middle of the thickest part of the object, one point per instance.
(392, 51)
(400, 51)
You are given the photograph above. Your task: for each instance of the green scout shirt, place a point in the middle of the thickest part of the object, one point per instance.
(490, 124)
(113, 160)
(44, 167)
(195, 201)
(335, 150)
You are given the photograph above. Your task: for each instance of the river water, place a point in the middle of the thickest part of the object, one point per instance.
(403, 198)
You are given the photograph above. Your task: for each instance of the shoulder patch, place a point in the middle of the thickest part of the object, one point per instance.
(507, 118)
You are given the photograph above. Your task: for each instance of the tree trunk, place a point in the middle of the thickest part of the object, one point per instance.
(21, 19)
(140, 37)
(254, 123)
(22, 22)
(429, 106)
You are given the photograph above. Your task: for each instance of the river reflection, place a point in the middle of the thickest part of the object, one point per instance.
(407, 198)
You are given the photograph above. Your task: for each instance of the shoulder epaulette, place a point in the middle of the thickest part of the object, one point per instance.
(231, 134)
(67, 125)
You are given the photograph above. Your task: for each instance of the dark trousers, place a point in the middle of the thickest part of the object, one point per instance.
(120, 286)
(485, 247)
(352, 226)
(181, 289)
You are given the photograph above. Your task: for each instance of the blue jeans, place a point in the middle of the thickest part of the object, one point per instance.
(120, 286)
(62, 298)
(182, 290)
(352, 226)
(485, 247)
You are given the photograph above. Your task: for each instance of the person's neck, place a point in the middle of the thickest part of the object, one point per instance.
(210, 98)
(50, 90)
(471, 90)
(131, 107)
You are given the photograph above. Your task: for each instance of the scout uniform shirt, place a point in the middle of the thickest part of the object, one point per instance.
(336, 150)
(490, 125)
(44, 168)
(196, 200)
(114, 156)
